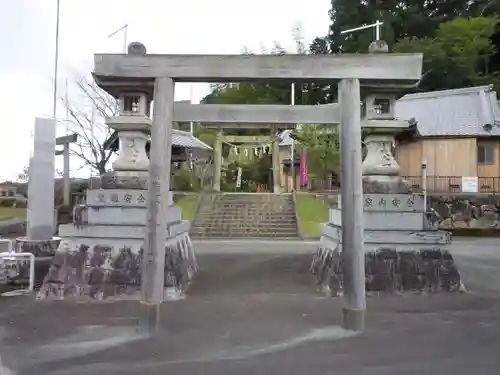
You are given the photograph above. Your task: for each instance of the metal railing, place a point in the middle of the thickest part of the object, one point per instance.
(11, 258)
(435, 184)
(452, 184)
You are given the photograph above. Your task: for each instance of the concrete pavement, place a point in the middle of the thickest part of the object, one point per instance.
(253, 309)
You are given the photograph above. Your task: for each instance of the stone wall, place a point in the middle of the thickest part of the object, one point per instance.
(101, 272)
(478, 211)
(391, 271)
(465, 211)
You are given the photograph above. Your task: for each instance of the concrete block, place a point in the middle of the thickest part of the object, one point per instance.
(391, 202)
(116, 231)
(383, 220)
(400, 237)
(41, 216)
(126, 215)
(120, 198)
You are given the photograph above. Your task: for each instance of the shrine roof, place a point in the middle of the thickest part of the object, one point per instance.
(472, 112)
(179, 139)
(187, 140)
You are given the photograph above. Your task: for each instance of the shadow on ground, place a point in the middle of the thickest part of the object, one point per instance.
(254, 314)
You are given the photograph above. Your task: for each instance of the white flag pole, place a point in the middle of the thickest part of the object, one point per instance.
(124, 28)
(376, 25)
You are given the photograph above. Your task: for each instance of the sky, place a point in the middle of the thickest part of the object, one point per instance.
(27, 33)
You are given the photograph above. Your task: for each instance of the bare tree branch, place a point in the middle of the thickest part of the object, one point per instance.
(86, 116)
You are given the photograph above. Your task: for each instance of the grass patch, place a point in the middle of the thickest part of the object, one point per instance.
(188, 206)
(312, 212)
(7, 213)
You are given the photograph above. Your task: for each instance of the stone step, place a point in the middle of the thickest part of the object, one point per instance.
(250, 232)
(246, 230)
(246, 235)
(263, 223)
(252, 208)
(244, 214)
(247, 222)
(246, 218)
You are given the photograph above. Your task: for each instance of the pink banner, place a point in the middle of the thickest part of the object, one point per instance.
(303, 169)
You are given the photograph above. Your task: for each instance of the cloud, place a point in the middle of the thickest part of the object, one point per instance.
(27, 37)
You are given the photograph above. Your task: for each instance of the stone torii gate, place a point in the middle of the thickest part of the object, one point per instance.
(65, 141)
(241, 116)
(250, 141)
(137, 79)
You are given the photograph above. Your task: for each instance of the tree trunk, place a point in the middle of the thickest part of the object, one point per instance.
(101, 168)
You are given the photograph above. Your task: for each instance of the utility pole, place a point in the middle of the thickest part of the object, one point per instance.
(56, 63)
(353, 252)
(292, 151)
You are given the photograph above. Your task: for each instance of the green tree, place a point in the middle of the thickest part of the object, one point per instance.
(458, 55)
(402, 18)
(322, 146)
(259, 93)
(408, 19)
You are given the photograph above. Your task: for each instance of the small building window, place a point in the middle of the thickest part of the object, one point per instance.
(485, 154)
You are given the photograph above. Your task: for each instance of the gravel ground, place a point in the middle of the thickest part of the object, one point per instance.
(253, 309)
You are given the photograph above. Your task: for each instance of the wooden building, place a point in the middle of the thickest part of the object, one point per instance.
(457, 133)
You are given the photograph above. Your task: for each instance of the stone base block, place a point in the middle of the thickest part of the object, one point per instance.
(385, 185)
(391, 270)
(124, 180)
(80, 270)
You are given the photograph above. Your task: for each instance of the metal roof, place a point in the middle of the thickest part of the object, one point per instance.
(459, 112)
(179, 139)
(186, 139)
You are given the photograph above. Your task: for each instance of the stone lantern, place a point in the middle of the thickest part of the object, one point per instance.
(380, 168)
(133, 125)
(103, 248)
(404, 250)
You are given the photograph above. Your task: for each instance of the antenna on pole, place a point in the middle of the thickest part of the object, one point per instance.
(124, 28)
(376, 25)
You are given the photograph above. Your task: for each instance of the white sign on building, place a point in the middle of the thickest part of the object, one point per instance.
(470, 184)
